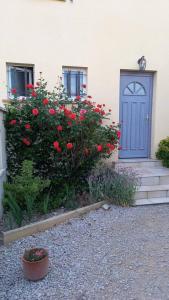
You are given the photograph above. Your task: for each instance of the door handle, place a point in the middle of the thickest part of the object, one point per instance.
(147, 117)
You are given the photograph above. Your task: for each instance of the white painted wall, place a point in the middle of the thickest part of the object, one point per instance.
(104, 36)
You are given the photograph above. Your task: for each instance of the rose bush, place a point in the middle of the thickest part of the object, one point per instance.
(64, 138)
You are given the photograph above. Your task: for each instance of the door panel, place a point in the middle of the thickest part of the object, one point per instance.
(135, 115)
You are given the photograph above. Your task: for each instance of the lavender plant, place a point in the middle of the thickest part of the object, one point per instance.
(115, 186)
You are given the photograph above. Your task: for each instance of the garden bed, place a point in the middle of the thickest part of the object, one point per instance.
(37, 217)
(18, 233)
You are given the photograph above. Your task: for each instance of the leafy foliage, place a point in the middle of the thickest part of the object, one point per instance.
(15, 212)
(117, 187)
(65, 138)
(163, 152)
(22, 193)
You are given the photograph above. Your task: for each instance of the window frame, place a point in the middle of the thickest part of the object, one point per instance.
(25, 68)
(84, 71)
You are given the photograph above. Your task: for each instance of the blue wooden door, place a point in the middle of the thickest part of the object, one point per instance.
(135, 114)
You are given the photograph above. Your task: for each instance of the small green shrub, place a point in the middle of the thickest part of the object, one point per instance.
(116, 187)
(70, 197)
(66, 196)
(45, 204)
(15, 212)
(163, 152)
(23, 191)
(33, 255)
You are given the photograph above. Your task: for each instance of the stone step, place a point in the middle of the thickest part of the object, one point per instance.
(152, 191)
(154, 180)
(151, 201)
(138, 163)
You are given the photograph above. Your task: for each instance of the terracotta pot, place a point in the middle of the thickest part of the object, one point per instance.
(35, 270)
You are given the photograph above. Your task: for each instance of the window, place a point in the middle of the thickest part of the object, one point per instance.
(73, 79)
(134, 89)
(18, 77)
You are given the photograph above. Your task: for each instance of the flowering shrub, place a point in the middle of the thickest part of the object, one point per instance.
(63, 137)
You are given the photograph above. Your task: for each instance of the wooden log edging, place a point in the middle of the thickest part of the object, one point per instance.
(18, 233)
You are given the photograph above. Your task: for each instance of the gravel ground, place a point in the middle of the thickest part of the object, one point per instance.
(120, 254)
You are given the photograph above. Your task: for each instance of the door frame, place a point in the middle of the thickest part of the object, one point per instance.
(141, 74)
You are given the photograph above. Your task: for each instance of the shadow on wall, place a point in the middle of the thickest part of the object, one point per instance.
(2, 157)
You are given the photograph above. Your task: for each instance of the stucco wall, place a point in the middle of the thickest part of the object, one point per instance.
(2, 157)
(105, 36)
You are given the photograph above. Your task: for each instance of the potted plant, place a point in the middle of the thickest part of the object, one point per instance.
(35, 263)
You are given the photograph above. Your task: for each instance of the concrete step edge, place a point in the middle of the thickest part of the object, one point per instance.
(139, 160)
(150, 188)
(152, 175)
(151, 201)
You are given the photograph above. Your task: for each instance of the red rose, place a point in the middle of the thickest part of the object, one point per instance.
(118, 134)
(13, 91)
(34, 94)
(69, 146)
(109, 110)
(56, 145)
(78, 97)
(81, 118)
(102, 112)
(59, 149)
(26, 141)
(27, 126)
(45, 101)
(35, 111)
(96, 110)
(99, 148)
(83, 111)
(104, 105)
(84, 86)
(52, 111)
(12, 122)
(69, 123)
(99, 105)
(90, 97)
(29, 86)
(67, 112)
(73, 116)
(59, 128)
(62, 107)
(112, 147)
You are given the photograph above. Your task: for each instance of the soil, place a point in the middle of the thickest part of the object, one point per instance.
(7, 224)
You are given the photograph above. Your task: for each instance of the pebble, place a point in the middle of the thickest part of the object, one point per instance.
(109, 254)
(106, 206)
